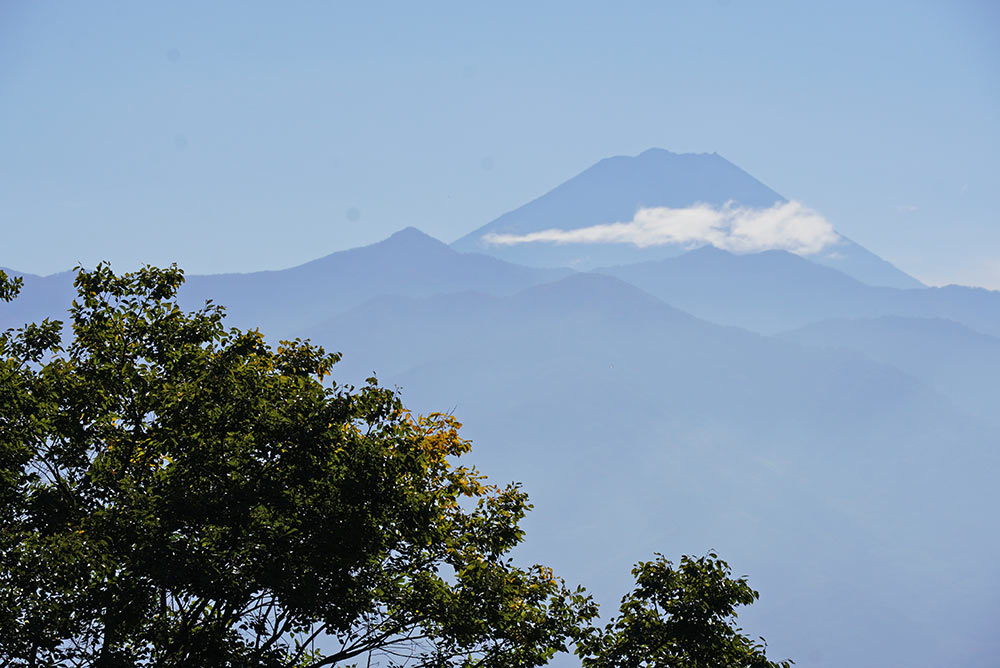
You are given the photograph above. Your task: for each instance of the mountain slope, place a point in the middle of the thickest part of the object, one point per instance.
(281, 302)
(776, 290)
(407, 263)
(637, 427)
(958, 362)
(601, 325)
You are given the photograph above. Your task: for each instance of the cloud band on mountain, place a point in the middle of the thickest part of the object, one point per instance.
(789, 226)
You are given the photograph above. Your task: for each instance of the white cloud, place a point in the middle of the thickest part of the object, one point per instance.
(786, 225)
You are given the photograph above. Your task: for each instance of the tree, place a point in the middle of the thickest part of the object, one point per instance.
(679, 618)
(176, 493)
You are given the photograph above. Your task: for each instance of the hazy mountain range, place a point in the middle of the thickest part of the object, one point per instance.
(819, 417)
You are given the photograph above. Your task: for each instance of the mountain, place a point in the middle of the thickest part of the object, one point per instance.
(842, 484)
(281, 302)
(613, 322)
(407, 263)
(615, 188)
(775, 290)
(765, 292)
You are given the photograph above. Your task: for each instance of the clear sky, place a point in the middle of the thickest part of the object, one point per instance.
(236, 136)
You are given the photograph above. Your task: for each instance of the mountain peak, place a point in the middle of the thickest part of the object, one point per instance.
(667, 167)
(662, 153)
(411, 238)
(656, 151)
(410, 233)
(708, 250)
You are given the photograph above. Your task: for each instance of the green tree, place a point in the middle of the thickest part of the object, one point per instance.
(680, 617)
(176, 493)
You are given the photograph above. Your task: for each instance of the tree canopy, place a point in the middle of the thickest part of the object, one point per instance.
(679, 617)
(173, 492)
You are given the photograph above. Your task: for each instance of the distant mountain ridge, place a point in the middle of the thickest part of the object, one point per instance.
(766, 292)
(281, 302)
(40, 297)
(613, 190)
(775, 290)
(407, 263)
(958, 362)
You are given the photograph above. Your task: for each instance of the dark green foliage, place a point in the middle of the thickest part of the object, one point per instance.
(176, 493)
(679, 618)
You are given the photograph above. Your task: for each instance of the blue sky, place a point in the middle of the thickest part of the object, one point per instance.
(240, 136)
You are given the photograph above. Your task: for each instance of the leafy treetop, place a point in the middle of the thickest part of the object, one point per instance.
(679, 617)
